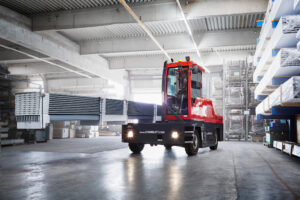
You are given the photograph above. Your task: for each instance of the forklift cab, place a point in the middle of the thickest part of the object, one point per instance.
(183, 85)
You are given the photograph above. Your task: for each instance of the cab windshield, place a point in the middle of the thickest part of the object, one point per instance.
(177, 90)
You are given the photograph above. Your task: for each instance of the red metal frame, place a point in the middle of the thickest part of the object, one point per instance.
(202, 110)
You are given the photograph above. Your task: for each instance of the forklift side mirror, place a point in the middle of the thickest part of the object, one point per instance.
(195, 70)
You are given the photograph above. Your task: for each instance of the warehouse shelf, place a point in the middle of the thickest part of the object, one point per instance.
(284, 36)
(288, 94)
(282, 8)
(276, 9)
(264, 38)
(285, 64)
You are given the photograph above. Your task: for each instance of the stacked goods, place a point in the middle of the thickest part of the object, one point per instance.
(235, 95)
(238, 92)
(110, 130)
(87, 131)
(285, 64)
(287, 94)
(256, 129)
(61, 130)
(276, 131)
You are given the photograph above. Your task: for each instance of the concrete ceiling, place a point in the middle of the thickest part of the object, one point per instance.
(99, 41)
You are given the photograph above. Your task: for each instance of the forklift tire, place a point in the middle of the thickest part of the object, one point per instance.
(168, 147)
(216, 145)
(191, 149)
(136, 148)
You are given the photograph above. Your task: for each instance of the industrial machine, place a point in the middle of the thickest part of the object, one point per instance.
(188, 120)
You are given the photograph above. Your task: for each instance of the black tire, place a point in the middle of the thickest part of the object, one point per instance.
(168, 147)
(136, 148)
(215, 147)
(191, 149)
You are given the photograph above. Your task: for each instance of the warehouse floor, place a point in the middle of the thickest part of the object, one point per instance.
(74, 145)
(237, 170)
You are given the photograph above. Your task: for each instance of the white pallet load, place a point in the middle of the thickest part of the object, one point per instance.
(296, 150)
(274, 144)
(275, 10)
(279, 145)
(32, 110)
(259, 110)
(285, 64)
(287, 147)
(288, 94)
(283, 36)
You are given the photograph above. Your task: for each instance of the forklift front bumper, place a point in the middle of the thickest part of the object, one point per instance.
(164, 133)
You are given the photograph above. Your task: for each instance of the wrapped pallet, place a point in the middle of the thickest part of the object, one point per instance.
(285, 64)
(286, 95)
(290, 24)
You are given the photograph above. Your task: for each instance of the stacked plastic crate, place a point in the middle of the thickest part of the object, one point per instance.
(240, 121)
(277, 62)
(234, 76)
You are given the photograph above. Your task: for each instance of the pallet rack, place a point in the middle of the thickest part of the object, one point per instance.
(277, 65)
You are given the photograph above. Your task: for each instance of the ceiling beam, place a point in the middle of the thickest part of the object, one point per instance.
(30, 69)
(156, 61)
(10, 57)
(15, 34)
(171, 42)
(158, 10)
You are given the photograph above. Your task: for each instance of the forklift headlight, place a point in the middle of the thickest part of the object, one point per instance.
(175, 135)
(130, 134)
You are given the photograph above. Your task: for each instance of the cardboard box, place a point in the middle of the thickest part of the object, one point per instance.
(59, 133)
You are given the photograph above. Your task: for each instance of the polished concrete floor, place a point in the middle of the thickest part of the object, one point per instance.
(75, 145)
(237, 170)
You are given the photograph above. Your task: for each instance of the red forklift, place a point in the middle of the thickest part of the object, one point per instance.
(188, 119)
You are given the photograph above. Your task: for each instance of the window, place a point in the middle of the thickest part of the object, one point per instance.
(177, 90)
(196, 85)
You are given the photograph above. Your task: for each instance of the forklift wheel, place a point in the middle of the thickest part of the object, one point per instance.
(191, 149)
(216, 145)
(136, 148)
(168, 147)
